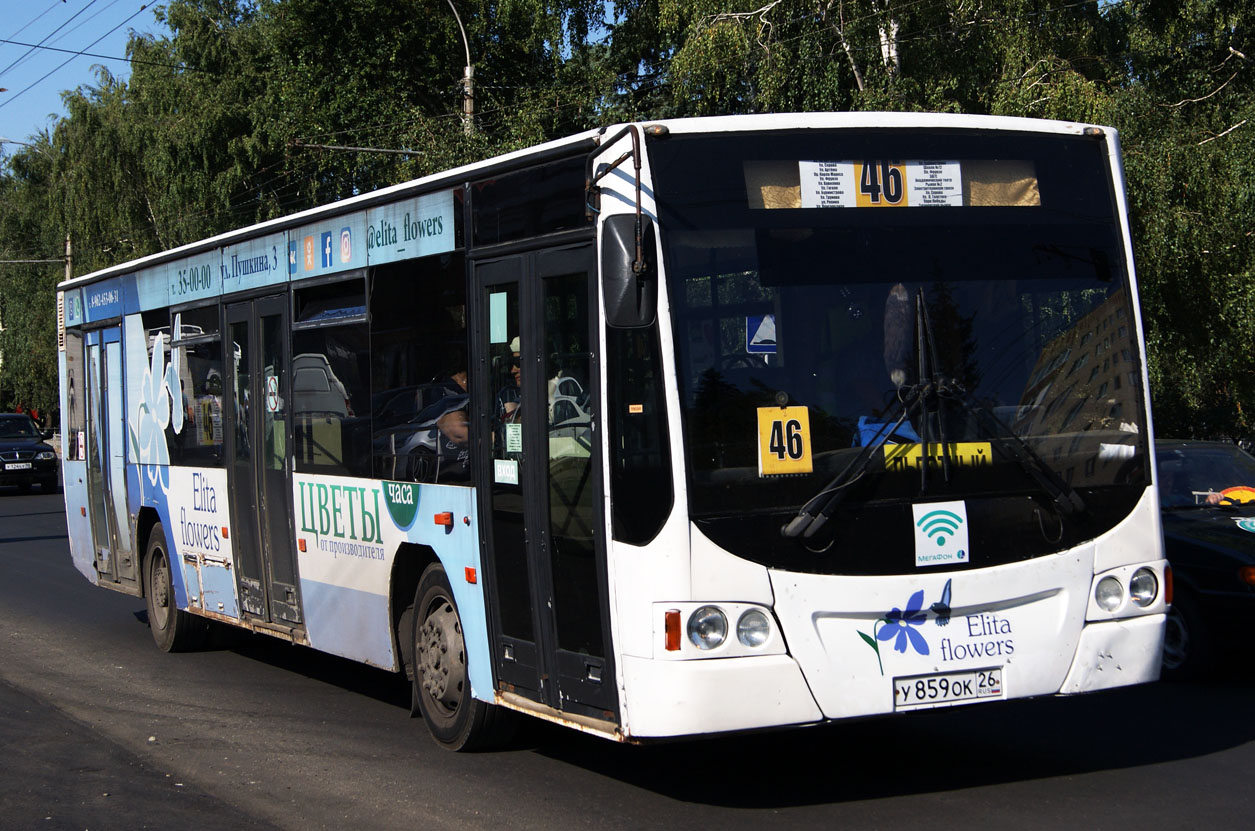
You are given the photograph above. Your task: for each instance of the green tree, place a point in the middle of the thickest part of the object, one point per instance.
(1186, 113)
(28, 230)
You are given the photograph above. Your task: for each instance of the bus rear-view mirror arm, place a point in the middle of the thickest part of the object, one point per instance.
(629, 274)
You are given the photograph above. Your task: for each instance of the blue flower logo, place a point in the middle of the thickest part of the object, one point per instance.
(903, 625)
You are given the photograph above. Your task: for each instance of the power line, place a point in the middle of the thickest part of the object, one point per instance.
(36, 18)
(45, 77)
(50, 34)
(84, 54)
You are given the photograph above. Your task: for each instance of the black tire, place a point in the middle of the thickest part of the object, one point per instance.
(442, 685)
(1187, 648)
(173, 629)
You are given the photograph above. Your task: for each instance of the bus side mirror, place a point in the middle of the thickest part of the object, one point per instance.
(631, 289)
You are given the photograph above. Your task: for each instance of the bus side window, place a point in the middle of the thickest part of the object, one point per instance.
(199, 349)
(331, 378)
(420, 429)
(640, 441)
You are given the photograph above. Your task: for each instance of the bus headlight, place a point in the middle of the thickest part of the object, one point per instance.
(753, 628)
(708, 627)
(1109, 594)
(1143, 587)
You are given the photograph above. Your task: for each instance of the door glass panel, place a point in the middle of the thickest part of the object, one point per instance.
(509, 536)
(96, 453)
(274, 414)
(239, 342)
(568, 369)
(120, 527)
(271, 393)
(243, 503)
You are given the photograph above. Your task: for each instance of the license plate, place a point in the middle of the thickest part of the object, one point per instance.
(946, 688)
(18, 466)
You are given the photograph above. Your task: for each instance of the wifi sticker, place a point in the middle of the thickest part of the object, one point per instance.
(940, 534)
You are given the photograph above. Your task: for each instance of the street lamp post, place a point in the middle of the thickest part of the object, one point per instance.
(468, 78)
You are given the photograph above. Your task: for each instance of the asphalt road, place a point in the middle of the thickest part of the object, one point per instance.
(99, 730)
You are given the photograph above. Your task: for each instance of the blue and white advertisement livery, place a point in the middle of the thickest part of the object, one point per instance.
(413, 228)
(253, 264)
(327, 247)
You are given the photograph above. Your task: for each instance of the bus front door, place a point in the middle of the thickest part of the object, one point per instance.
(543, 513)
(258, 388)
(106, 458)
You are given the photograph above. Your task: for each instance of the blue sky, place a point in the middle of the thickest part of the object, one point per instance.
(31, 102)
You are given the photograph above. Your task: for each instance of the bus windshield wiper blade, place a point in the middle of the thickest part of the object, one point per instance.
(812, 515)
(1006, 439)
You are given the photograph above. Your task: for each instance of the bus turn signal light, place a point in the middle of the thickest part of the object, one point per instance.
(1247, 575)
(471, 577)
(445, 519)
(672, 642)
(300, 545)
(1167, 585)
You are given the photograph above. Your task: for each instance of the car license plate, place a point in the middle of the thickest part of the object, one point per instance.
(946, 688)
(17, 466)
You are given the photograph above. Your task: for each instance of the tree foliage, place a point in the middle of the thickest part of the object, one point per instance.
(215, 125)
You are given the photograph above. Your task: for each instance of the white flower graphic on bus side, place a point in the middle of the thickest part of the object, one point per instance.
(161, 404)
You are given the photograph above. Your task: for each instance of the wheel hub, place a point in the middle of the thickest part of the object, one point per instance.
(161, 590)
(442, 656)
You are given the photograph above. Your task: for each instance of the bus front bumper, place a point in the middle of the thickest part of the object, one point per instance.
(679, 698)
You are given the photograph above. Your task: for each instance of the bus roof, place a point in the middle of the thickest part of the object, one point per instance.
(571, 144)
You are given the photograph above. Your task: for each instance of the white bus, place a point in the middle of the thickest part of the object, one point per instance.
(668, 429)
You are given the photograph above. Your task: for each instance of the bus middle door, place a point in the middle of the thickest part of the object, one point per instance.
(258, 360)
(543, 507)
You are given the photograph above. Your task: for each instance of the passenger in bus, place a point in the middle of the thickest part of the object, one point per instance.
(508, 404)
(439, 448)
(440, 451)
(508, 397)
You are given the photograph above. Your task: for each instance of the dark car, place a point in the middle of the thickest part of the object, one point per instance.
(1207, 500)
(24, 458)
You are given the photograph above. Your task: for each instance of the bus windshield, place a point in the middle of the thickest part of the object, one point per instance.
(947, 314)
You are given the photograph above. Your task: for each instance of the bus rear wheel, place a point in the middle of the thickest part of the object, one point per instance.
(442, 685)
(173, 629)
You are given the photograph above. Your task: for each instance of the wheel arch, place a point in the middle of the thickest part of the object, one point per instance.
(408, 565)
(144, 522)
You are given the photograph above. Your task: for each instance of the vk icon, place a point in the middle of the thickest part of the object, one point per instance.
(291, 258)
(326, 250)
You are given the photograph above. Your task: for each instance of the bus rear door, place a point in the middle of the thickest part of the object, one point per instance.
(106, 457)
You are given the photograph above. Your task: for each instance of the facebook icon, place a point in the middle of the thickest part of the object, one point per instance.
(326, 250)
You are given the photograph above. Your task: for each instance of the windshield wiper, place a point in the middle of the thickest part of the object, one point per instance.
(925, 396)
(1011, 444)
(817, 510)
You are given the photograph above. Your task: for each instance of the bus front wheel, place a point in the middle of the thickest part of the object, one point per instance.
(173, 629)
(442, 685)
